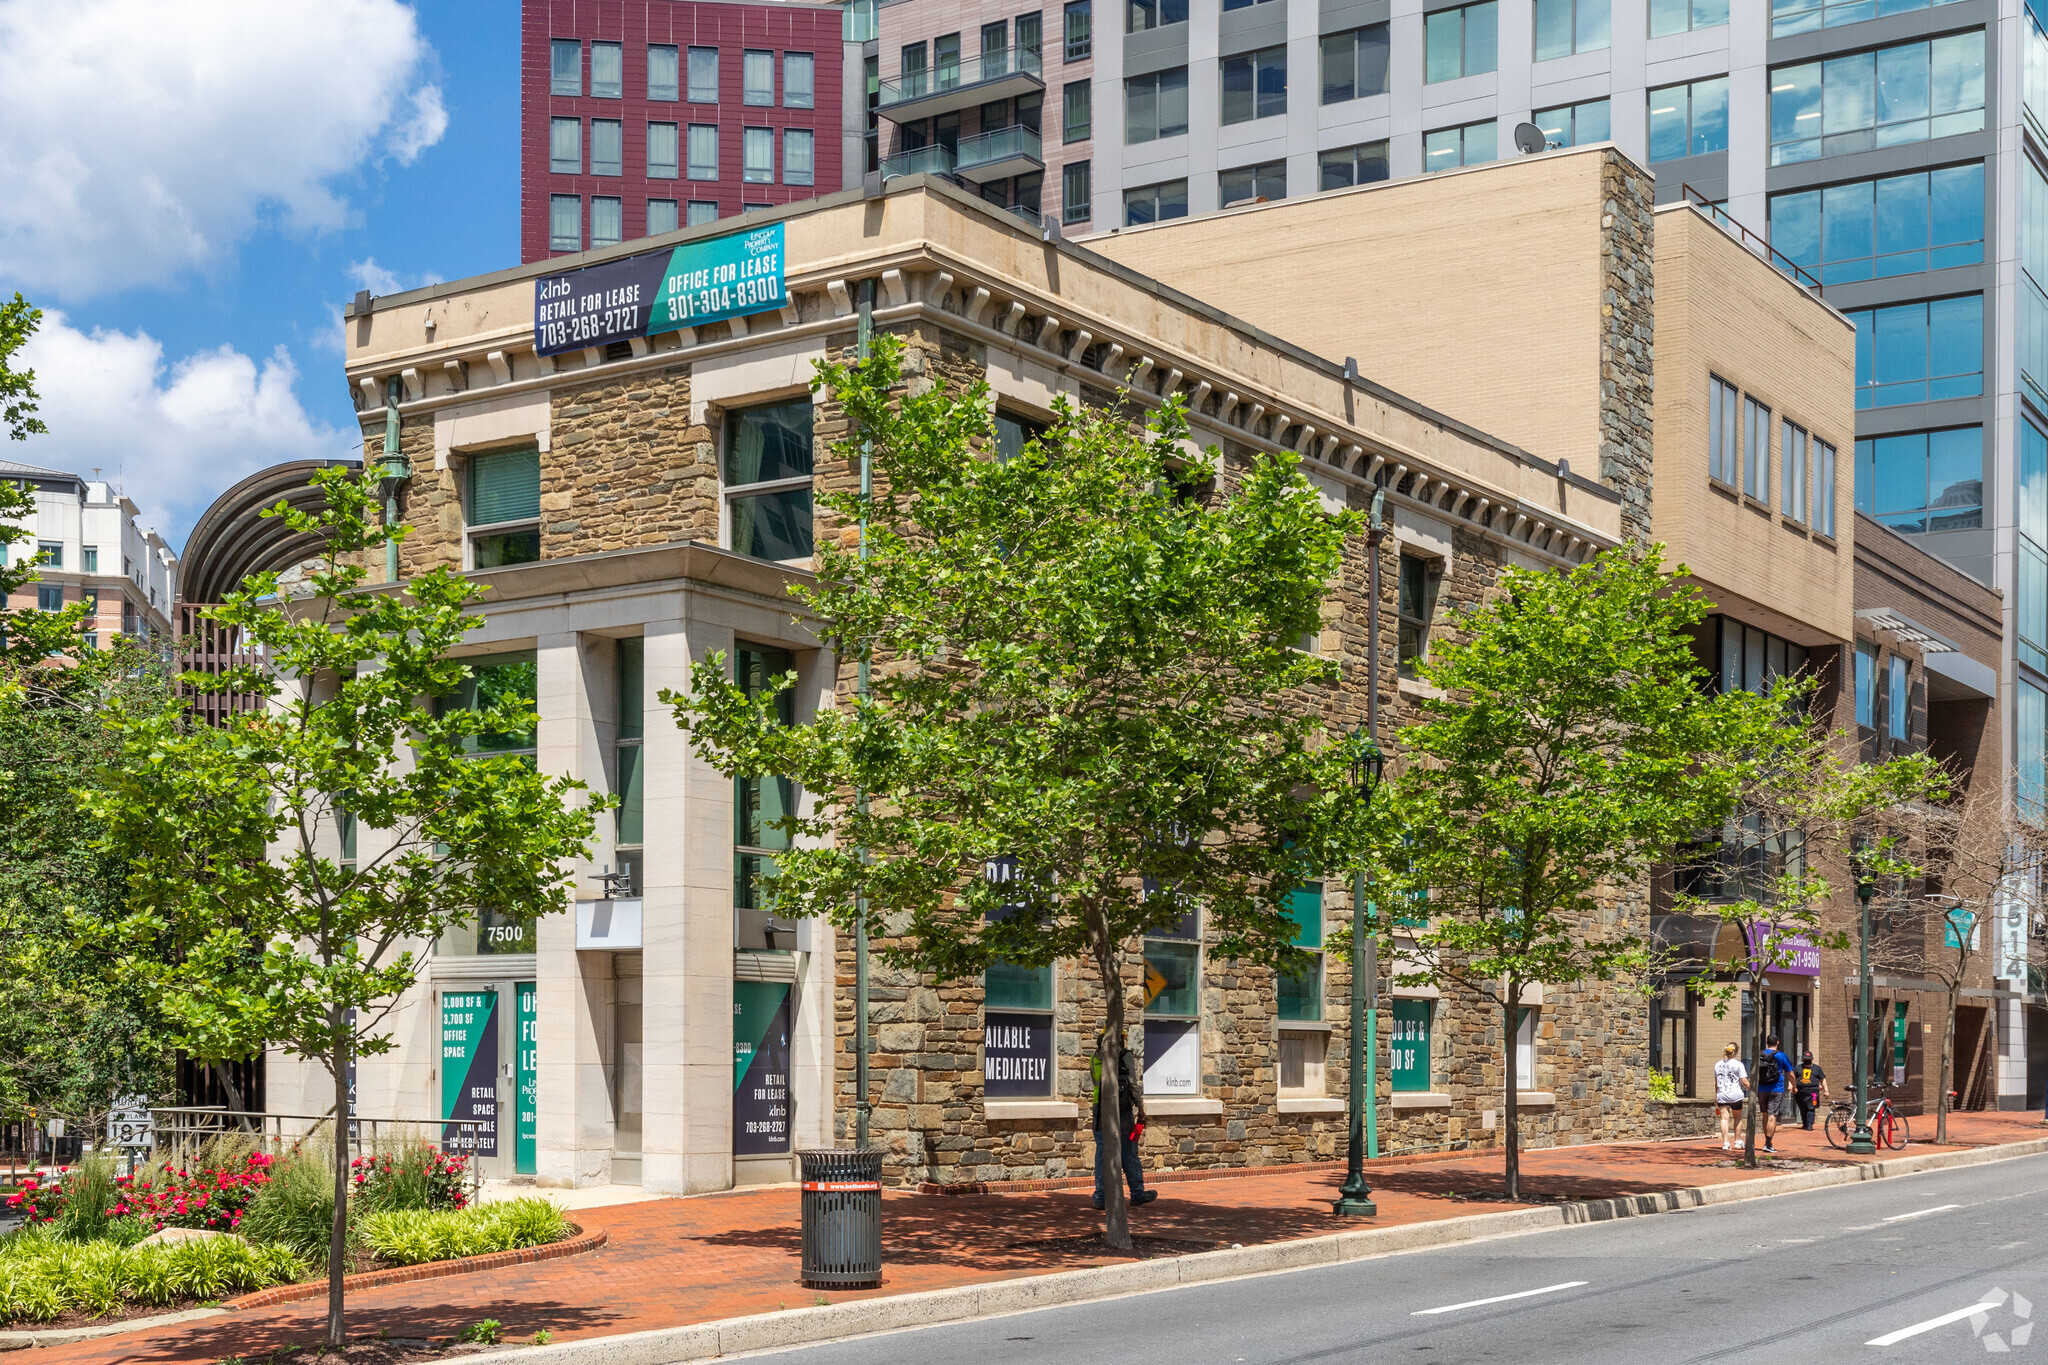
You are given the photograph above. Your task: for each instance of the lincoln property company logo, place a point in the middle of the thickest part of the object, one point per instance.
(2013, 1331)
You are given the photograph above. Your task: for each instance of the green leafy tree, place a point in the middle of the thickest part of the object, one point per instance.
(1572, 747)
(29, 636)
(243, 918)
(18, 322)
(1079, 662)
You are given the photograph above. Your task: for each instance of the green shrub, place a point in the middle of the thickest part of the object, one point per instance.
(296, 1209)
(412, 1173)
(1662, 1086)
(43, 1276)
(409, 1237)
(90, 1191)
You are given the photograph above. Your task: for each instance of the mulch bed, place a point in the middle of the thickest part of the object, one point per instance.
(374, 1351)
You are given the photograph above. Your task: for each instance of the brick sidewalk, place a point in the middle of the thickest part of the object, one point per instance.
(671, 1262)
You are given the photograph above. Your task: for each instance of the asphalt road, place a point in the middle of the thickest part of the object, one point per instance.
(1837, 1273)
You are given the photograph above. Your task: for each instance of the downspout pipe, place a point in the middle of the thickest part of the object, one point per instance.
(394, 471)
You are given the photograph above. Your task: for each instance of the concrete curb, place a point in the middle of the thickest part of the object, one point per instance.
(804, 1326)
(64, 1336)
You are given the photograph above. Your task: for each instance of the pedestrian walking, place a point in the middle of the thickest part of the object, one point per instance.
(1131, 1101)
(1773, 1076)
(1731, 1083)
(1811, 1084)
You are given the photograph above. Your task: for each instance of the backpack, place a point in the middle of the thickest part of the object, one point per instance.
(1768, 1077)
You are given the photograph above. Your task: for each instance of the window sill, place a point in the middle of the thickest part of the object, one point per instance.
(996, 1111)
(1421, 1099)
(1310, 1104)
(1302, 1026)
(1164, 1106)
(1535, 1099)
(1415, 687)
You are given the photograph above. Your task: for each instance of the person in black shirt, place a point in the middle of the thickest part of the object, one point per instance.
(1811, 1085)
(1131, 1101)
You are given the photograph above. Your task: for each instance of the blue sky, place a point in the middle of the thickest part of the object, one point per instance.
(193, 265)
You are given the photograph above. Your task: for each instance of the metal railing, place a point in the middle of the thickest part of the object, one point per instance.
(183, 1130)
(999, 145)
(1759, 245)
(990, 66)
(933, 160)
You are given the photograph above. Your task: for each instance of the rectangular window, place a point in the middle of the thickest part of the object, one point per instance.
(1255, 85)
(1408, 1045)
(1525, 1049)
(1866, 685)
(799, 156)
(565, 67)
(1724, 439)
(703, 151)
(607, 147)
(2032, 340)
(946, 61)
(1804, 16)
(661, 151)
(630, 661)
(1355, 64)
(1017, 1052)
(1173, 976)
(504, 508)
(703, 211)
(1156, 203)
(607, 220)
(1567, 26)
(565, 222)
(1574, 125)
(1873, 229)
(1077, 123)
(758, 156)
(703, 75)
(1460, 42)
(1251, 184)
(1900, 695)
(1301, 993)
(565, 146)
(1156, 105)
(664, 72)
(1910, 93)
(1677, 16)
(661, 216)
(89, 561)
(1030, 41)
(1076, 192)
(1793, 456)
(1756, 450)
(1140, 15)
(757, 77)
(1472, 145)
(1919, 352)
(995, 46)
(1229, 5)
(759, 805)
(768, 480)
(2030, 736)
(495, 680)
(1923, 480)
(1742, 658)
(799, 80)
(1080, 30)
(607, 71)
(49, 597)
(1689, 120)
(1303, 1058)
(1360, 165)
(1417, 608)
(1824, 488)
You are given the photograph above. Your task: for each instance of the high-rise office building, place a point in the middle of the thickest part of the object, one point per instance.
(641, 116)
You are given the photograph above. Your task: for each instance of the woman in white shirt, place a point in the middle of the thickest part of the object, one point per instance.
(1731, 1080)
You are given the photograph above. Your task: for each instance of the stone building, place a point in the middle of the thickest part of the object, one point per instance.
(637, 497)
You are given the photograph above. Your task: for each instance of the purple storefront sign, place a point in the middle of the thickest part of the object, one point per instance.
(1796, 956)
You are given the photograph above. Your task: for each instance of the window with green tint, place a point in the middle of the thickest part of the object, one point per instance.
(758, 802)
(1911, 92)
(1006, 985)
(768, 465)
(632, 783)
(1408, 1045)
(1173, 978)
(504, 508)
(1301, 993)
(345, 828)
(494, 680)
(1460, 42)
(1677, 16)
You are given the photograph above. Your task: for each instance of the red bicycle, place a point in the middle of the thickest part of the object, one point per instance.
(1887, 1125)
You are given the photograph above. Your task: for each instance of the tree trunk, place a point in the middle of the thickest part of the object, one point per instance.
(1948, 1061)
(337, 1242)
(1756, 1056)
(1116, 1220)
(1511, 1142)
(225, 1073)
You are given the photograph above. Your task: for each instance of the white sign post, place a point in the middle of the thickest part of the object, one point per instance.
(130, 1125)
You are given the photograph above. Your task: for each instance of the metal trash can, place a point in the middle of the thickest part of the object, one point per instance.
(842, 1213)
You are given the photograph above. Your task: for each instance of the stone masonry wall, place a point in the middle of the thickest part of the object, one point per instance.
(1627, 317)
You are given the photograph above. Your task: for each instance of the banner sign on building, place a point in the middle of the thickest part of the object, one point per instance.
(1790, 954)
(1016, 1055)
(1173, 1057)
(760, 1068)
(469, 1071)
(526, 1077)
(1408, 1044)
(660, 291)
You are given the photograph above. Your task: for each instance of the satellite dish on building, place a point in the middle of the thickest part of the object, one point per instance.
(1529, 138)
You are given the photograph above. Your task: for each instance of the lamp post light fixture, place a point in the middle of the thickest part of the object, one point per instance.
(1354, 1199)
(1861, 1142)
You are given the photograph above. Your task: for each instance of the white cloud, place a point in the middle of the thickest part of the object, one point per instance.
(176, 434)
(145, 139)
(379, 281)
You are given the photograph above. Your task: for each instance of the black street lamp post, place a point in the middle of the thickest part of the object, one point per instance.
(1861, 1141)
(1354, 1199)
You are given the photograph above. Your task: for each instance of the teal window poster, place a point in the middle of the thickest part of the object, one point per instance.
(469, 1072)
(1408, 1045)
(760, 1068)
(659, 291)
(526, 1073)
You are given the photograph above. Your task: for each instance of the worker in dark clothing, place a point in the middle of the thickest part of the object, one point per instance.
(1131, 1101)
(1811, 1085)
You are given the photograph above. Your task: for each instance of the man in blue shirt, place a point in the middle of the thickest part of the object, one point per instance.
(1773, 1072)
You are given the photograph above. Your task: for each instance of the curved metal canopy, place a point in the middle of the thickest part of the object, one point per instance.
(232, 540)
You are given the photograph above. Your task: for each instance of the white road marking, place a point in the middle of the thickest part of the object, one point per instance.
(1893, 1338)
(1498, 1298)
(1919, 1213)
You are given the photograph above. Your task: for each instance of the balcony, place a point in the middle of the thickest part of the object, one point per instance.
(932, 160)
(1015, 150)
(1002, 74)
